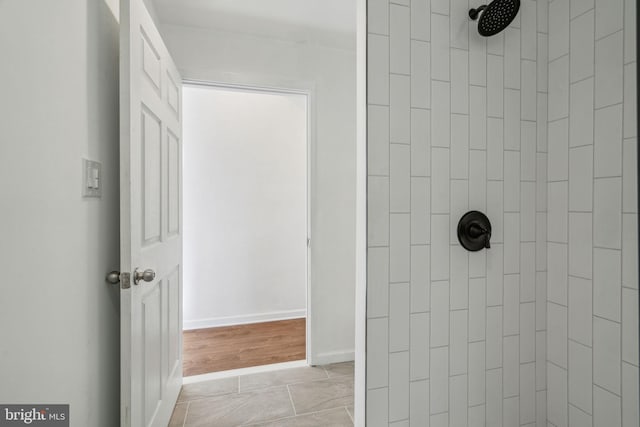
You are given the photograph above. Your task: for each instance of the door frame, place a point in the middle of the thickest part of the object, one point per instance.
(360, 377)
(310, 155)
(637, 94)
(259, 80)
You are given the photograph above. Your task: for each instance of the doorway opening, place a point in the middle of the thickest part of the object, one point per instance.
(246, 227)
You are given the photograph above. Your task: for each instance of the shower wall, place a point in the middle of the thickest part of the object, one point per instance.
(592, 347)
(456, 122)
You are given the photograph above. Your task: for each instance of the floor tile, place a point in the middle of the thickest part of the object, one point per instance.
(208, 389)
(178, 416)
(333, 417)
(283, 377)
(322, 394)
(339, 369)
(240, 408)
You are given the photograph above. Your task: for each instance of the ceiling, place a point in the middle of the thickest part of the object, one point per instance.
(331, 22)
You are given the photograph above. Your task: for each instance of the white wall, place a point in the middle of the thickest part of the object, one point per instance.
(60, 324)
(453, 337)
(245, 206)
(330, 75)
(592, 310)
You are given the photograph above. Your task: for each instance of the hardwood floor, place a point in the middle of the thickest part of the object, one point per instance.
(243, 346)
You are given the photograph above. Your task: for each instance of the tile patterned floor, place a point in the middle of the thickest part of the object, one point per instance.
(310, 396)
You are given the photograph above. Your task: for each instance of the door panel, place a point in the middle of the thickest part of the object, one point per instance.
(174, 322)
(151, 212)
(151, 171)
(152, 351)
(173, 155)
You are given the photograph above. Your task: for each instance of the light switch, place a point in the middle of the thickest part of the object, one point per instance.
(96, 178)
(92, 178)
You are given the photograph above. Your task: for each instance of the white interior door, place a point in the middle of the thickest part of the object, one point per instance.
(150, 221)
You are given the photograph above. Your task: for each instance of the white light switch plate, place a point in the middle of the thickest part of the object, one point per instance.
(91, 178)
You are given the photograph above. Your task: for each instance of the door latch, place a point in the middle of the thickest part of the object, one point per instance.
(124, 279)
(116, 277)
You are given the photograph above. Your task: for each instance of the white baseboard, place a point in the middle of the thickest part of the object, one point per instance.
(332, 357)
(243, 319)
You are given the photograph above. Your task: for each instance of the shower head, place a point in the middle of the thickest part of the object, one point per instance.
(496, 16)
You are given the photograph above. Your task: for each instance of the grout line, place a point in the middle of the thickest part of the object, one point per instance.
(622, 199)
(581, 343)
(294, 417)
(580, 80)
(291, 400)
(568, 202)
(582, 14)
(611, 34)
(555, 303)
(557, 366)
(389, 209)
(411, 181)
(593, 222)
(605, 106)
(469, 133)
(186, 412)
(349, 414)
(619, 322)
(618, 394)
(606, 248)
(566, 55)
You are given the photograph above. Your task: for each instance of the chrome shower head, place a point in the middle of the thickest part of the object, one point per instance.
(496, 16)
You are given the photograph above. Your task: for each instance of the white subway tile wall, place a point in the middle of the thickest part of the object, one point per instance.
(591, 388)
(536, 127)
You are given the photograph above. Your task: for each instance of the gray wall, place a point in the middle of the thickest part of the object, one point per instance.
(60, 322)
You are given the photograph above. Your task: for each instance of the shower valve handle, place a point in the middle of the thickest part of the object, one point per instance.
(476, 231)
